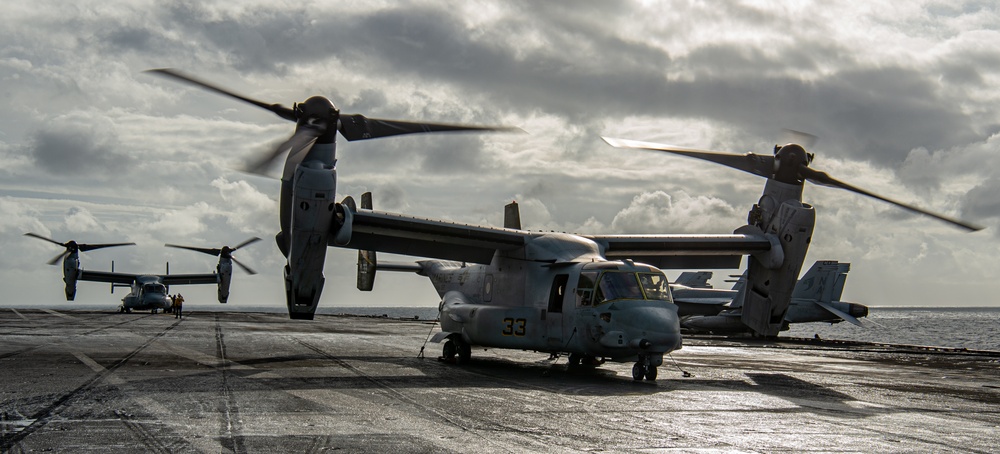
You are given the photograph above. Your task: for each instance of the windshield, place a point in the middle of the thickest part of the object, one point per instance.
(154, 288)
(656, 286)
(616, 285)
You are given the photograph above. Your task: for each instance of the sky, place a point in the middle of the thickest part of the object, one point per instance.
(903, 97)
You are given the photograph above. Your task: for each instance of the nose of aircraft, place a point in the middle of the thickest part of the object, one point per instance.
(650, 325)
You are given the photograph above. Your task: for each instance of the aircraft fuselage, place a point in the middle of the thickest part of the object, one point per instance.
(606, 309)
(147, 293)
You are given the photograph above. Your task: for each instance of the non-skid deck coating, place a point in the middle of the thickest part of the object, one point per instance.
(78, 381)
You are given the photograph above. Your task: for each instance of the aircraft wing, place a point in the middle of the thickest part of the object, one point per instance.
(680, 251)
(107, 276)
(186, 279)
(398, 234)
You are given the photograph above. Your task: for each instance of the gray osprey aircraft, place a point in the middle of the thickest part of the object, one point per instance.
(816, 298)
(308, 213)
(550, 292)
(147, 291)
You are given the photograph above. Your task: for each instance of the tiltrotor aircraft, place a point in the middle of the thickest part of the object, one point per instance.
(550, 292)
(816, 298)
(147, 291)
(309, 216)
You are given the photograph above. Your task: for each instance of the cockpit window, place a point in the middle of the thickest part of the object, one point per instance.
(655, 285)
(585, 288)
(615, 285)
(154, 288)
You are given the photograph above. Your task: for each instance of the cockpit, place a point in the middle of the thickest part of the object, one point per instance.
(597, 287)
(154, 288)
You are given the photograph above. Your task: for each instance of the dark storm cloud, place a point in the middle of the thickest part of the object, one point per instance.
(72, 148)
(982, 201)
(567, 62)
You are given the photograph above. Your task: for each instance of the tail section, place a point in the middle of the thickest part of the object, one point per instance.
(823, 282)
(367, 260)
(694, 279)
(817, 296)
(511, 216)
(368, 263)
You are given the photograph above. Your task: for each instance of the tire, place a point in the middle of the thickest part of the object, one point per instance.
(464, 352)
(638, 371)
(449, 350)
(651, 373)
(574, 359)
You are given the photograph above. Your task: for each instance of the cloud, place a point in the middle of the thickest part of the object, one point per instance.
(903, 98)
(659, 212)
(76, 145)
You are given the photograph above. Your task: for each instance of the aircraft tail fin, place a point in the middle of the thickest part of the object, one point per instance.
(367, 260)
(694, 279)
(823, 282)
(511, 216)
(739, 286)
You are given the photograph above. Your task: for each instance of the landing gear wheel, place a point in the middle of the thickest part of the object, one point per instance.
(638, 371)
(650, 373)
(464, 352)
(574, 359)
(449, 351)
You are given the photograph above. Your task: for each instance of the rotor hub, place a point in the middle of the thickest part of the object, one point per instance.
(316, 107)
(787, 162)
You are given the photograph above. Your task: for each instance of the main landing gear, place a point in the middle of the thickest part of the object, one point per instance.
(643, 368)
(456, 350)
(576, 359)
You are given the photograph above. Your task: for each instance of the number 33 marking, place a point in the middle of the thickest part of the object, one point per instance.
(514, 327)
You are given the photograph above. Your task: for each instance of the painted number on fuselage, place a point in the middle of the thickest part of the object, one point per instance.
(514, 327)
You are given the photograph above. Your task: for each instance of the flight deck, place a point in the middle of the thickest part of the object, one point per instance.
(85, 381)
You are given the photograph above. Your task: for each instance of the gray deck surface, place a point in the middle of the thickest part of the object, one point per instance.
(83, 381)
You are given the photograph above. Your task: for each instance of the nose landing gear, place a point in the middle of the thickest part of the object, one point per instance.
(643, 368)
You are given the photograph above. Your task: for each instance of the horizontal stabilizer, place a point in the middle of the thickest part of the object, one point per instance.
(840, 313)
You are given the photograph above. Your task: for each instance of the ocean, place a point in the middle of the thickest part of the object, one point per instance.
(974, 328)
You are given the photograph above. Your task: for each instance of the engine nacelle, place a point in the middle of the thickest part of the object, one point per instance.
(312, 215)
(225, 273)
(71, 273)
(768, 293)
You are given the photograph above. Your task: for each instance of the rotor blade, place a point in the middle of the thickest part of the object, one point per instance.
(50, 240)
(760, 165)
(203, 250)
(245, 268)
(247, 242)
(359, 127)
(59, 257)
(301, 140)
(804, 139)
(822, 178)
(91, 247)
(298, 145)
(278, 109)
